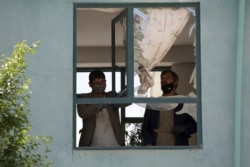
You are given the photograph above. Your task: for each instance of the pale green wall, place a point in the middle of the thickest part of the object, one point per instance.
(51, 22)
(246, 91)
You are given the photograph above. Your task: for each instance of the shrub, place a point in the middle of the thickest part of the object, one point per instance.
(17, 147)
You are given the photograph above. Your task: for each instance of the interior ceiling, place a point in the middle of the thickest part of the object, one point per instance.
(94, 29)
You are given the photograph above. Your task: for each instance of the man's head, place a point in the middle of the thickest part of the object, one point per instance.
(97, 81)
(169, 82)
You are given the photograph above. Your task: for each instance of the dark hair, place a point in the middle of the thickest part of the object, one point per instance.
(175, 76)
(96, 74)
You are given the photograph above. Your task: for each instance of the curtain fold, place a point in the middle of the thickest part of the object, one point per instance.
(155, 32)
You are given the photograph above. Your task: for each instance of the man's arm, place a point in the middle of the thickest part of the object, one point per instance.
(191, 125)
(87, 110)
(188, 126)
(116, 106)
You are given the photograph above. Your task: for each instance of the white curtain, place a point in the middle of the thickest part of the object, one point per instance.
(155, 31)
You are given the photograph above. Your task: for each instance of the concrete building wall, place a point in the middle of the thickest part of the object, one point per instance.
(51, 22)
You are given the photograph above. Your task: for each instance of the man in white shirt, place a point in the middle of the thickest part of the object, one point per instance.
(101, 124)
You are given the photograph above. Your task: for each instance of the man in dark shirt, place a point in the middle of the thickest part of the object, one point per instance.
(166, 127)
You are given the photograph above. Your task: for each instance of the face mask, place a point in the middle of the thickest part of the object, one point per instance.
(99, 87)
(167, 88)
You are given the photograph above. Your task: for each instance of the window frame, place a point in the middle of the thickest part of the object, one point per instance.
(130, 72)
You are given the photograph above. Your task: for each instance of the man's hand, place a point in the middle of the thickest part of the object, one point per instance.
(177, 130)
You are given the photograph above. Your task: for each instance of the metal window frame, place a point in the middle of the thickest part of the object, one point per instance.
(130, 71)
